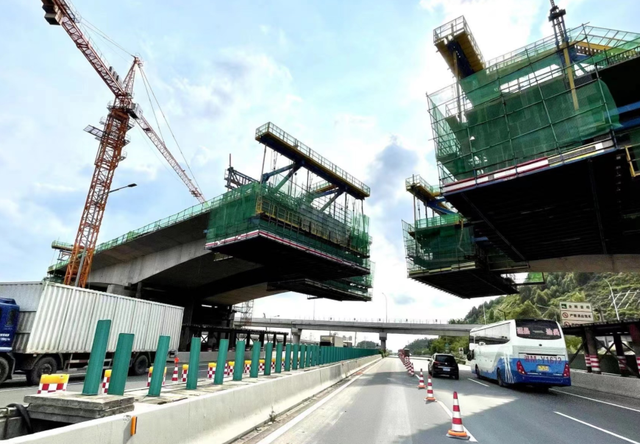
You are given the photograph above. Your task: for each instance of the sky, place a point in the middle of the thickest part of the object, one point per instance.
(348, 78)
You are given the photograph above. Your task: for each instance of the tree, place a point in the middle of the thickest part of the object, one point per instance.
(367, 344)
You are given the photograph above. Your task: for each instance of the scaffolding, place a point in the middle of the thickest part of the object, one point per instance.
(537, 101)
(260, 206)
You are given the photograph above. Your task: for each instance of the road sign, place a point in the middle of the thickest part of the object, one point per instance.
(575, 313)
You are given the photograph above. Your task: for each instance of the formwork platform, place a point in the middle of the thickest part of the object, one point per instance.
(427, 194)
(539, 151)
(336, 290)
(443, 252)
(457, 46)
(290, 147)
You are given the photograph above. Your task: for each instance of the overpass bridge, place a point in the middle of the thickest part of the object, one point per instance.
(409, 326)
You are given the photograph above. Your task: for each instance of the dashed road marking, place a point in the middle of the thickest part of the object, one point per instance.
(597, 400)
(598, 428)
(478, 382)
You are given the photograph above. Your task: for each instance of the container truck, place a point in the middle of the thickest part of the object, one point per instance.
(331, 341)
(47, 327)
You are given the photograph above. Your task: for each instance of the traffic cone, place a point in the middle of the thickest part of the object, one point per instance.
(174, 378)
(421, 381)
(411, 370)
(430, 397)
(457, 429)
(185, 372)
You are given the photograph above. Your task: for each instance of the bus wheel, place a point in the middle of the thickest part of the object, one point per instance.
(500, 381)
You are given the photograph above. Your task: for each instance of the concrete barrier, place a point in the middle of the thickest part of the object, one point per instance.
(616, 385)
(209, 418)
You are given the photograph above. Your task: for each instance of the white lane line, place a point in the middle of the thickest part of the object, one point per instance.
(285, 428)
(478, 382)
(446, 409)
(598, 428)
(597, 400)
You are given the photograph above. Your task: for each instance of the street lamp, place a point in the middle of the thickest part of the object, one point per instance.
(386, 308)
(613, 299)
(131, 185)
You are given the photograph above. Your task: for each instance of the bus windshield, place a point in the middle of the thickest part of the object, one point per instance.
(537, 329)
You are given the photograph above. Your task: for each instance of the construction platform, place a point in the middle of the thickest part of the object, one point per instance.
(539, 153)
(290, 147)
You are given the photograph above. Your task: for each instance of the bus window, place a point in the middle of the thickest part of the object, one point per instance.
(534, 329)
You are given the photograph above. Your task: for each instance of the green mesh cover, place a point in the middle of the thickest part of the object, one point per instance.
(522, 106)
(260, 206)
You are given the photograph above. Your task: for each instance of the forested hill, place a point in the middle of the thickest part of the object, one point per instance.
(542, 301)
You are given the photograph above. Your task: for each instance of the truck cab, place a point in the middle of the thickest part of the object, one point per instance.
(9, 315)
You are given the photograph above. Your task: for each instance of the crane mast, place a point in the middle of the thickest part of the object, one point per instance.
(112, 140)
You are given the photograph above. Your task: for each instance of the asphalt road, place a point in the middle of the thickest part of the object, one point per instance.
(16, 389)
(383, 405)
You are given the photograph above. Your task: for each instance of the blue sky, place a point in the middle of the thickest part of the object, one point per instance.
(346, 77)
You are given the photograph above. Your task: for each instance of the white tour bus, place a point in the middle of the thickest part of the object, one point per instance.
(520, 351)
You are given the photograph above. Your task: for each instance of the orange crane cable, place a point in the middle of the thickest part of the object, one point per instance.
(146, 81)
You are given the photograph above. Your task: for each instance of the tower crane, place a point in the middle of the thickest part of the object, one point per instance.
(122, 113)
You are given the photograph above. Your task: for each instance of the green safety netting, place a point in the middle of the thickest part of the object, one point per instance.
(438, 245)
(528, 105)
(260, 206)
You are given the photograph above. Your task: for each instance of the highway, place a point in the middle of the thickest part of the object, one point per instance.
(383, 405)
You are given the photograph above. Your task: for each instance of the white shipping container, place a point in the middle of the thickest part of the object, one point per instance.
(58, 318)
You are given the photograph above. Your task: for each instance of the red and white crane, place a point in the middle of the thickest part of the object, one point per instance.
(112, 139)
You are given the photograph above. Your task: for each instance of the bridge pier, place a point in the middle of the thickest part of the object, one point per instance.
(295, 335)
(383, 341)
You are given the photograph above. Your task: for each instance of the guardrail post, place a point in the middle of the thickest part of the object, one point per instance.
(294, 363)
(268, 355)
(309, 354)
(194, 363)
(96, 360)
(255, 359)
(159, 365)
(239, 362)
(316, 355)
(287, 358)
(121, 361)
(322, 354)
(279, 357)
(222, 361)
(303, 355)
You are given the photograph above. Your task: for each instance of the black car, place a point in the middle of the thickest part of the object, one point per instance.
(443, 364)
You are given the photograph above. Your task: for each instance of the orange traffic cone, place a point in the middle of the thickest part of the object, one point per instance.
(421, 381)
(457, 429)
(174, 378)
(430, 397)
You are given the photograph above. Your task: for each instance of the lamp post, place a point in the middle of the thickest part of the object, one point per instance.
(131, 185)
(386, 308)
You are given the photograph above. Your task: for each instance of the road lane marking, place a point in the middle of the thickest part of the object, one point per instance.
(598, 428)
(478, 382)
(471, 437)
(597, 400)
(285, 428)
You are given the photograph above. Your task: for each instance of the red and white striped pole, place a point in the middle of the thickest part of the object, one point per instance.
(411, 370)
(185, 372)
(105, 382)
(457, 430)
(211, 370)
(595, 364)
(587, 361)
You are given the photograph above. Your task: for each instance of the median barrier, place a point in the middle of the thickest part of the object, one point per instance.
(207, 417)
(613, 384)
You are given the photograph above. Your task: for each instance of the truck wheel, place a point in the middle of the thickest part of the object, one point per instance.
(139, 366)
(44, 366)
(4, 369)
